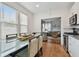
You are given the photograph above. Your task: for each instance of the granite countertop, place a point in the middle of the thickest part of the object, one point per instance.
(74, 36)
(18, 44)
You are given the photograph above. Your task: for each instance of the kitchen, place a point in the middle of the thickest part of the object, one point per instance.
(22, 26)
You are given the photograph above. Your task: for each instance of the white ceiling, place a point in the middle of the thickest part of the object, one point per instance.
(45, 6)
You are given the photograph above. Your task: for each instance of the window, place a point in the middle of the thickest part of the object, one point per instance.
(11, 22)
(23, 23)
(0, 11)
(9, 14)
(8, 21)
(46, 27)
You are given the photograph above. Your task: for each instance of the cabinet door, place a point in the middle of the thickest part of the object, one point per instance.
(70, 46)
(76, 48)
(40, 41)
(33, 47)
(73, 47)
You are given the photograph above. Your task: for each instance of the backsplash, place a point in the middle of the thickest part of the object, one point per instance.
(68, 30)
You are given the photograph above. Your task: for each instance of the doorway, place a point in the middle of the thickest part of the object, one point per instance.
(51, 29)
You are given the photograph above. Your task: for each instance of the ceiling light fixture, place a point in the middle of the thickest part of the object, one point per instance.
(37, 5)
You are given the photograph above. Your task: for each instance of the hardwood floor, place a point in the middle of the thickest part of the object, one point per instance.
(51, 49)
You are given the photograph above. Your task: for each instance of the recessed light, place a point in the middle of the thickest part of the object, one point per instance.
(37, 5)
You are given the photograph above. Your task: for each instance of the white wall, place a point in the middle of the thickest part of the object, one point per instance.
(19, 7)
(54, 13)
(38, 17)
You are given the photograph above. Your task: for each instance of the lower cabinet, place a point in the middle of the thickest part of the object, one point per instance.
(33, 47)
(73, 47)
(40, 42)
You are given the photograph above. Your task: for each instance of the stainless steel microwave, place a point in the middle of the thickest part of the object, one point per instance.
(73, 20)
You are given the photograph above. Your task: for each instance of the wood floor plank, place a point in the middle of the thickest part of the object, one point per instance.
(53, 50)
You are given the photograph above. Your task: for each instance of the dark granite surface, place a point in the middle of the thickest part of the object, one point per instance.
(72, 35)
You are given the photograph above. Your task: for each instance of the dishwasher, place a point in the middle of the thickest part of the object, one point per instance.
(65, 44)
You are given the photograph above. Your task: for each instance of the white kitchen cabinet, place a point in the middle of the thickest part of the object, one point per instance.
(33, 47)
(40, 42)
(73, 46)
